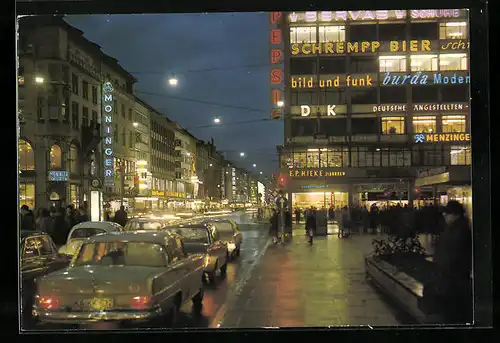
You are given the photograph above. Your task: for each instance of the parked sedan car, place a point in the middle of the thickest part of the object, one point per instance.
(145, 224)
(38, 256)
(133, 278)
(204, 238)
(80, 232)
(229, 232)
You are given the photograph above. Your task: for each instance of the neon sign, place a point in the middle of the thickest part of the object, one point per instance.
(305, 110)
(361, 46)
(420, 78)
(314, 173)
(348, 80)
(107, 120)
(276, 72)
(327, 16)
(442, 137)
(422, 107)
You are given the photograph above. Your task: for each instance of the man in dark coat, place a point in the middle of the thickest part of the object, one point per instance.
(121, 216)
(27, 220)
(273, 230)
(451, 289)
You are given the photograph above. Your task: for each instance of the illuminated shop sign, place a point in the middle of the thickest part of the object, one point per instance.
(107, 120)
(276, 72)
(456, 45)
(420, 78)
(305, 110)
(314, 186)
(422, 107)
(336, 82)
(442, 137)
(364, 46)
(328, 16)
(314, 173)
(58, 175)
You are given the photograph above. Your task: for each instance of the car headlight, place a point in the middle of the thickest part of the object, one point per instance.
(207, 261)
(231, 246)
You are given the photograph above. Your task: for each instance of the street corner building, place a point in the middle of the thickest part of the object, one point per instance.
(86, 139)
(376, 107)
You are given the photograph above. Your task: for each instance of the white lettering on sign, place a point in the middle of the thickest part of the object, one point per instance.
(107, 120)
(330, 110)
(305, 110)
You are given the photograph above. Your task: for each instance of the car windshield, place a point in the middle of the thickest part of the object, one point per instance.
(191, 234)
(86, 232)
(143, 225)
(224, 227)
(121, 253)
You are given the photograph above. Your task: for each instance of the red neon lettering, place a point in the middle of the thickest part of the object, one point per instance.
(276, 96)
(276, 55)
(276, 36)
(276, 76)
(274, 17)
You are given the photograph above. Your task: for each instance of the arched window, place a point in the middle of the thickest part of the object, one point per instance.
(26, 156)
(55, 156)
(73, 158)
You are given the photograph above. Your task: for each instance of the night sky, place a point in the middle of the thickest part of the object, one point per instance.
(154, 47)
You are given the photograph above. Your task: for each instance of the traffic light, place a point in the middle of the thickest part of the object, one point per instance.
(281, 181)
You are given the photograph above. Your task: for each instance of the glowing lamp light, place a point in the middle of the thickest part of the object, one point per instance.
(217, 120)
(135, 124)
(242, 154)
(39, 79)
(254, 165)
(280, 103)
(172, 81)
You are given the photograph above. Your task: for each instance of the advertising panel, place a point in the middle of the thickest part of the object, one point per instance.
(276, 59)
(107, 121)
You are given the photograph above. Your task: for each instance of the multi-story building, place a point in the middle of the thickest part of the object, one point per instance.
(61, 75)
(208, 170)
(373, 98)
(185, 159)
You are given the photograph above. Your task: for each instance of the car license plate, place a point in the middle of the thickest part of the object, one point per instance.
(98, 304)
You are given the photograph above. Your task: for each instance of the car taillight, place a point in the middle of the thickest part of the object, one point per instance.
(48, 302)
(140, 303)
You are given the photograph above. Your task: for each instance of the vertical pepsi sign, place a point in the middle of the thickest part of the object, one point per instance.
(276, 58)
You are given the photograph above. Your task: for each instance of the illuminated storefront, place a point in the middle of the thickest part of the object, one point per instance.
(371, 98)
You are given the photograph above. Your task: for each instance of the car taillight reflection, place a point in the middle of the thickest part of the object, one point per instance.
(48, 302)
(140, 303)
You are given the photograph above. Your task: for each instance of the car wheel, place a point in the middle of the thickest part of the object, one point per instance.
(212, 275)
(198, 300)
(238, 251)
(174, 312)
(223, 270)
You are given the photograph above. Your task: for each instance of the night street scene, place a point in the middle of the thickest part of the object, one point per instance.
(245, 170)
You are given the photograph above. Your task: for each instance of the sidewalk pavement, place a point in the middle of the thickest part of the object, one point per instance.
(296, 284)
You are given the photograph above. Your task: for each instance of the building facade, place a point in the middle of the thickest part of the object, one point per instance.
(185, 147)
(372, 99)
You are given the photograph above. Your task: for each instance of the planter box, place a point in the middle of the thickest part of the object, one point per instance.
(400, 287)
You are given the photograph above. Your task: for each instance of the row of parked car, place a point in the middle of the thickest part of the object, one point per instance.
(142, 273)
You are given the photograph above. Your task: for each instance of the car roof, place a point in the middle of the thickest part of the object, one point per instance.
(137, 236)
(197, 225)
(147, 219)
(108, 226)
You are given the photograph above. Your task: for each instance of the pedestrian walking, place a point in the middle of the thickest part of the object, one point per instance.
(310, 225)
(60, 226)
(44, 222)
(121, 216)
(273, 229)
(297, 215)
(27, 219)
(81, 215)
(71, 216)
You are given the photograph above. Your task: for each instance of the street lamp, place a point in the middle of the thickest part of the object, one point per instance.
(260, 173)
(242, 154)
(173, 81)
(217, 120)
(39, 79)
(280, 103)
(254, 165)
(135, 124)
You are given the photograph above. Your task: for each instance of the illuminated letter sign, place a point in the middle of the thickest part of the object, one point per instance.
(107, 121)
(276, 72)
(314, 173)
(442, 137)
(420, 78)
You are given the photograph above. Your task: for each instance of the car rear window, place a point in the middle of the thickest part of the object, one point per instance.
(224, 227)
(86, 232)
(143, 225)
(190, 234)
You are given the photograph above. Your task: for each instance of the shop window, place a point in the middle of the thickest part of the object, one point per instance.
(74, 83)
(332, 65)
(73, 158)
(453, 62)
(421, 31)
(424, 93)
(453, 30)
(332, 97)
(364, 126)
(362, 32)
(299, 159)
(393, 95)
(453, 123)
(392, 64)
(460, 156)
(424, 63)
(303, 66)
(55, 157)
(74, 195)
(388, 32)
(337, 158)
(455, 93)
(27, 194)
(365, 96)
(393, 125)
(303, 34)
(335, 126)
(312, 158)
(331, 34)
(424, 124)
(26, 156)
(364, 64)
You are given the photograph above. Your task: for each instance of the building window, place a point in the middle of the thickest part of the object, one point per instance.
(85, 90)
(453, 30)
(335, 97)
(94, 116)
(75, 115)
(55, 157)
(26, 156)
(115, 107)
(124, 136)
(393, 95)
(333, 127)
(303, 98)
(130, 114)
(94, 95)
(424, 63)
(460, 156)
(74, 195)
(455, 93)
(424, 124)
(453, 62)
(302, 66)
(388, 32)
(131, 139)
(361, 32)
(364, 65)
(393, 125)
(74, 83)
(73, 158)
(366, 96)
(331, 34)
(123, 110)
(335, 158)
(303, 34)
(85, 116)
(392, 64)
(312, 158)
(27, 194)
(421, 31)
(332, 65)
(39, 108)
(115, 134)
(365, 126)
(424, 93)
(453, 123)
(299, 160)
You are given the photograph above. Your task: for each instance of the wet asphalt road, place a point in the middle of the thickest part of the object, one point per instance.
(218, 298)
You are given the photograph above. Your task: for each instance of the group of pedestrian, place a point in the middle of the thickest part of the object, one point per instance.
(281, 224)
(56, 221)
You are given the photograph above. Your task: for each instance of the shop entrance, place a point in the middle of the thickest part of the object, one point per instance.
(319, 199)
